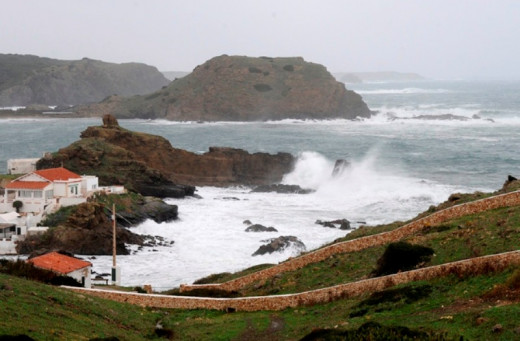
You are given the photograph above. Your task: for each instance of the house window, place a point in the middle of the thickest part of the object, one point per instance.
(24, 194)
(38, 194)
(49, 194)
(74, 190)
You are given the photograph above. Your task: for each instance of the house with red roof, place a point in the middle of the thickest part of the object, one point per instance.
(65, 265)
(46, 190)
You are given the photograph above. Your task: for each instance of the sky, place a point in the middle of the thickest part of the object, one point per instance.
(439, 39)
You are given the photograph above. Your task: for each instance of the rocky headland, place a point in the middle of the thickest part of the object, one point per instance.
(239, 88)
(148, 164)
(29, 80)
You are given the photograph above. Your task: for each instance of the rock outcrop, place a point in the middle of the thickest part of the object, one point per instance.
(342, 224)
(260, 228)
(281, 188)
(149, 164)
(279, 244)
(237, 88)
(26, 80)
(88, 231)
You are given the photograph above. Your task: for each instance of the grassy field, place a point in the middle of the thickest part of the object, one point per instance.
(483, 307)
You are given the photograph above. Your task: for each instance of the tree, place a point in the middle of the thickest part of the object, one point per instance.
(17, 204)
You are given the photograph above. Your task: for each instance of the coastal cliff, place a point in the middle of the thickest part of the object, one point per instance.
(29, 80)
(238, 88)
(149, 164)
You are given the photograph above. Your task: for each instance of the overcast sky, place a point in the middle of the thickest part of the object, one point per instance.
(442, 39)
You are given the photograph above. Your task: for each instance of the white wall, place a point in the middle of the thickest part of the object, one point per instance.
(21, 166)
(79, 274)
(89, 183)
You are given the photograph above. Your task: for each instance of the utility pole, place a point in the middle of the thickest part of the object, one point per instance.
(116, 271)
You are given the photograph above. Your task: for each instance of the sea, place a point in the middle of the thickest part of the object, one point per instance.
(428, 139)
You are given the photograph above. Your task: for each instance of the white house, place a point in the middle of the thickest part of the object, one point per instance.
(46, 190)
(21, 166)
(65, 265)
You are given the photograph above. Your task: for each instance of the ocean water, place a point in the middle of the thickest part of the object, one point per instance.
(399, 166)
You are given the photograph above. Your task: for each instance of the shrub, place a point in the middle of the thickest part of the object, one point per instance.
(289, 68)
(17, 204)
(402, 256)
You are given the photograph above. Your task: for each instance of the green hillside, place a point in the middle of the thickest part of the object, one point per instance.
(32, 80)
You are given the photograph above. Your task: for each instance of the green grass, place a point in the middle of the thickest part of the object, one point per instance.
(50, 313)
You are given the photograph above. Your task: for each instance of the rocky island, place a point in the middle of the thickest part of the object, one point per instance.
(238, 88)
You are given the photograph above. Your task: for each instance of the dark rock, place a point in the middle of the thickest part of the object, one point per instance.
(279, 188)
(279, 244)
(260, 228)
(152, 208)
(497, 328)
(164, 191)
(343, 224)
(247, 222)
(110, 121)
(511, 178)
(340, 166)
(444, 117)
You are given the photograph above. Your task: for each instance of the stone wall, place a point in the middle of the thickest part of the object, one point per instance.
(504, 200)
(467, 267)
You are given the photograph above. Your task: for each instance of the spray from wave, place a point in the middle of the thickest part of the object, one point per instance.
(365, 189)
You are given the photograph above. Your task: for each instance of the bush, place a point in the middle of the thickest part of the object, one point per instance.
(402, 256)
(17, 204)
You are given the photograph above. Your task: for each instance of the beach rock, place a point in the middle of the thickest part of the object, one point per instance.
(343, 224)
(260, 228)
(239, 88)
(148, 164)
(279, 188)
(279, 244)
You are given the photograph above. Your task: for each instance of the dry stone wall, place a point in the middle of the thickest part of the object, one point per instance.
(504, 200)
(467, 267)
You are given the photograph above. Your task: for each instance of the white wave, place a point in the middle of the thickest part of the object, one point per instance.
(210, 235)
(12, 108)
(405, 91)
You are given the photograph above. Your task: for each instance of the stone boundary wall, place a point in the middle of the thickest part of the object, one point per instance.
(468, 267)
(503, 200)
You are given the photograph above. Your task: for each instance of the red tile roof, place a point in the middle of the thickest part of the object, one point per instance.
(57, 262)
(27, 185)
(54, 174)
